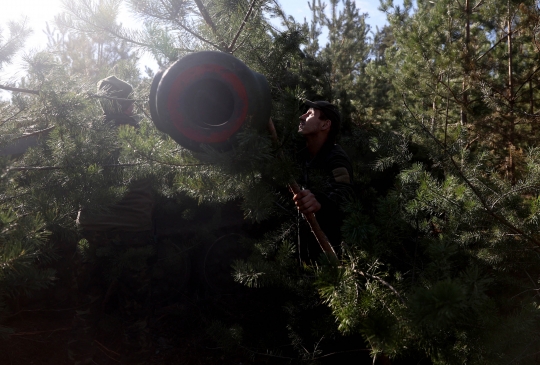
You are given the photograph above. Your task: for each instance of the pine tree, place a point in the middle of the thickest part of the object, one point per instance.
(336, 71)
(427, 262)
(93, 56)
(24, 246)
(440, 261)
(432, 257)
(83, 162)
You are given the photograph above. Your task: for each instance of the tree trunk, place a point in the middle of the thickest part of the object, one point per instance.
(465, 100)
(511, 168)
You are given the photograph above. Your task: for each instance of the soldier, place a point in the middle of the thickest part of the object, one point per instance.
(119, 111)
(129, 220)
(326, 176)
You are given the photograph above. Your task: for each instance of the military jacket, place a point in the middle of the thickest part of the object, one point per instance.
(329, 177)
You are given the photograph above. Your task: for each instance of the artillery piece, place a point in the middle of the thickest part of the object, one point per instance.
(207, 98)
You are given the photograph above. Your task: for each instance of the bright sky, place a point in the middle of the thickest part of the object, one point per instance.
(38, 12)
(300, 10)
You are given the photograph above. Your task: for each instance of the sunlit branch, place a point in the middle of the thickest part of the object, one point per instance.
(208, 20)
(233, 43)
(19, 90)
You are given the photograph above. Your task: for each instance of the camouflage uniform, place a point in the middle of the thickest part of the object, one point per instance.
(130, 220)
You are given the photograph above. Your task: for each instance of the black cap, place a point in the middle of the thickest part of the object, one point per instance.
(330, 110)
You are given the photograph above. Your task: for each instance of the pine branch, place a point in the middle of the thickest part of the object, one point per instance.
(168, 163)
(102, 348)
(503, 38)
(495, 89)
(111, 32)
(16, 89)
(40, 332)
(172, 18)
(42, 131)
(44, 310)
(206, 16)
(281, 15)
(485, 205)
(233, 43)
(477, 5)
(454, 96)
(512, 191)
(254, 352)
(382, 281)
(111, 351)
(198, 36)
(75, 11)
(15, 42)
(12, 117)
(208, 19)
(244, 41)
(49, 168)
(36, 92)
(527, 79)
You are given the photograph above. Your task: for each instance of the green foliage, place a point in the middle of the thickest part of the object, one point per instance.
(23, 253)
(118, 260)
(443, 261)
(11, 43)
(440, 246)
(93, 55)
(227, 337)
(24, 248)
(259, 272)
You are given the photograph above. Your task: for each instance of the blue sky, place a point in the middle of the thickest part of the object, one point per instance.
(38, 12)
(300, 10)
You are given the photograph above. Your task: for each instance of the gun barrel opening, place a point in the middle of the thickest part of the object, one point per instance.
(209, 103)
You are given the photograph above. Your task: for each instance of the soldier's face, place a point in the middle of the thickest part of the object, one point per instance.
(310, 123)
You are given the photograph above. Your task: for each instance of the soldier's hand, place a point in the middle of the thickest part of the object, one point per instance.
(306, 202)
